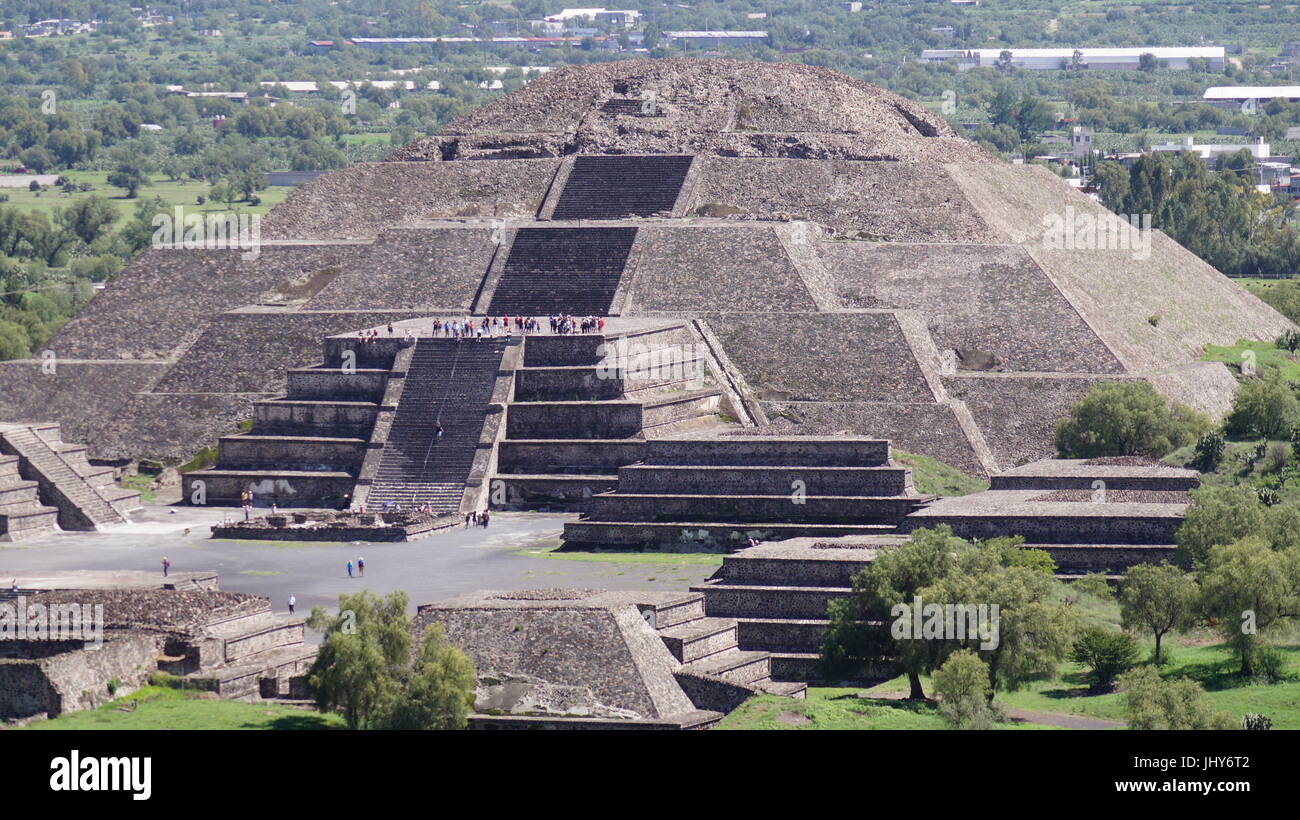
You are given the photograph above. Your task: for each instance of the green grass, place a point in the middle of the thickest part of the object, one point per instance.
(932, 476)
(174, 193)
(838, 708)
(158, 707)
(1233, 469)
(1269, 359)
(661, 559)
(140, 483)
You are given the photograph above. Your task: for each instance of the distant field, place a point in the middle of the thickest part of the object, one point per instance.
(172, 192)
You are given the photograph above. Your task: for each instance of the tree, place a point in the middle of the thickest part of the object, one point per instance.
(1155, 703)
(1033, 631)
(1263, 407)
(962, 684)
(1218, 515)
(440, 692)
(1107, 654)
(1148, 62)
(366, 645)
(366, 671)
(14, 341)
(1250, 589)
(1159, 599)
(131, 174)
(88, 218)
(1127, 419)
(894, 578)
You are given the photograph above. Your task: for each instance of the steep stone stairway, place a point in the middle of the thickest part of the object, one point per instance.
(562, 270)
(451, 382)
(715, 672)
(85, 496)
(21, 511)
(615, 187)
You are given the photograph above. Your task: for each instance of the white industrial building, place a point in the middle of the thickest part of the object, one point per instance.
(1112, 59)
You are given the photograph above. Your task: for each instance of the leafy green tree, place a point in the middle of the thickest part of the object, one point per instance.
(1263, 407)
(359, 664)
(962, 685)
(1127, 419)
(14, 341)
(1222, 515)
(856, 636)
(1155, 703)
(1250, 589)
(131, 174)
(1107, 654)
(1034, 629)
(366, 671)
(88, 218)
(440, 691)
(1158, 599)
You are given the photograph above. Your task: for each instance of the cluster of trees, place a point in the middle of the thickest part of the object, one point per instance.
(1127, 419)
(1245, 584)
(1218, 215)
(369, 670)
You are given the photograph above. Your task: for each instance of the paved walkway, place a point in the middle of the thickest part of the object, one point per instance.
(429, 569)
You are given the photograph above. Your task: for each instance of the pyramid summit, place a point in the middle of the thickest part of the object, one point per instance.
(851, 266)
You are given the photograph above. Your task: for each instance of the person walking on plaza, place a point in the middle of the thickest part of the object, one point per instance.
(167, 565)
(292, 603)
(361, 566)
(349, 569)
(485, 519)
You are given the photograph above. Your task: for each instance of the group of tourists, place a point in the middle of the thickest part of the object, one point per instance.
(469, 327)
(478, 518)
(565, 324)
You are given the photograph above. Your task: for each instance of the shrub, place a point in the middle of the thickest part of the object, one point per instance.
(1289, 340)
(1263, 407)
(1127, 419)
(1209, 452)
(1256, 722)
(962, 683)
(1106, 653)
(1094, 584)
(1155, 703)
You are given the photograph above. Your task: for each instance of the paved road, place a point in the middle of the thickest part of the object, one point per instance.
(429, 569)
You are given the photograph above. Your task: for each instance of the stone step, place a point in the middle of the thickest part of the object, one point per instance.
(665, 615)
(581, 456)
(699, 536)
(768, 451)
(781, 634)
(285, 488)
(745, 567)
(743, 601)
(697, 639)
(532, 492)
(789, 689)
(735, 665)
(764, 480)
(842, 509)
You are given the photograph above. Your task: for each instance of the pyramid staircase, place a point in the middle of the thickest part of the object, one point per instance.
(562, 270)
(577, 414)
(616, 187)
(21, 511)
(448, 381)
(306, 448)
(715, 672)
(50, 471)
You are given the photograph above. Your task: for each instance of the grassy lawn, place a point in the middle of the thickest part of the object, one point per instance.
(140, 483)
(157, 707)
(1269, 359)
(172, 192)
(838, 708)
(933, 476)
